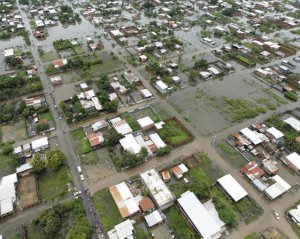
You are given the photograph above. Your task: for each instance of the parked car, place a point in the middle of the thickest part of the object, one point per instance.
(81, 177)
(297, 59)
(276, 215)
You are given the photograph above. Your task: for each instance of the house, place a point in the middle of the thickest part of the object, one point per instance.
(59, 63)
(253, 136)
(206, 225)
(162, 87)
(118, 88)
(179, 170)
(35, 102)
(124, 230)
(278, 187)
(293, 161)
(153, 218)
(95, 139)
(160, 193)
(130, 144)
(270, 167)
(252, 170)
(131, 77)
(57, 80)
(24, 170)
(293, 122)
(146, 204)
(295, 215)
(9, 52)
(232, 187)
(274, 134)
(124, 199)
(157, 141)
(100, 124)
(8, 194)
(145, 123)
(121, 126)
(146, 93)
(39, 144)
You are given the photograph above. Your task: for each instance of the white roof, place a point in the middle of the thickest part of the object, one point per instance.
(18, 150)
(116, 33)
(9, 179)
(24, 167)
(210, 207)
(161, 85)
(160, 192)
(275, 132)
(97, 104)
(124, 230)
(146, 93)
(232, 187)
(199, 216)
(130, 144)
(294, 159)
(8, 52)
(121, 126)
(153, 218)
(146, 121)
(156, 139)
(99, 125)
(279, 187)
(253, 136)
(295, 213)
(38, 143)
(6, 206)
(213, 70)
(294, 123)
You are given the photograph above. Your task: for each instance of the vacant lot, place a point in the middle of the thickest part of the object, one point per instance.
(107, 209)
(27, 191)
(53, 185)
(82, 144)
(173, 133)
(147, 111)
(14, 131)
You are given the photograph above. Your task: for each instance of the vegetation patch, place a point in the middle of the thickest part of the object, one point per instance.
(107, 209)
(83, 144)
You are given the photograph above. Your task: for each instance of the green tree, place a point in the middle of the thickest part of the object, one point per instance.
(38, 163)
(55, 159)
(50, 221)
(80, 230)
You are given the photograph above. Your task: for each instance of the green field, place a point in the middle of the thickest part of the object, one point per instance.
(131, 121)
(89, 158)
(107, 209)
(53, 185)
(173, 133)
(148, 111)
(82, 143)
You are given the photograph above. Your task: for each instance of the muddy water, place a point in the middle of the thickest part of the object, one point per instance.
(16, 41)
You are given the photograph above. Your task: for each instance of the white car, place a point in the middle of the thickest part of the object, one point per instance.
(276, 214)
(77, 193)
(81, 177)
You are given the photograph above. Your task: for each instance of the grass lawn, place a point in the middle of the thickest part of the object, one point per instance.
(82, 143)
(35, 232)
(89, 158)
(78, 49)
(105, 67)
(253, 235)
(8, 162)
(53, 185)
(14, 131)
(107, 209)
(47, 116)
(173, 133)
(49, 56)
(148, 111)
(131, 121)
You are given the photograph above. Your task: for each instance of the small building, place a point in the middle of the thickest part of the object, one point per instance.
(121, 126)
(95, 139)
(293, 161)
(198, 216)
(35, 102)
(59, 63)
(162, 87)
(166, 176)
(100, 124)
(252, 170)
(274, 134)
(293, 122)
(270, 167)
(156, 139)
(124, 230)
(153, 219)
(9, 52)
(145, 123)
(131, 77)
(179, 170)
(279, 187)
(146, 204)
(124, 199)
(160, 193)
(8, 194)
(130, 144)
(57, 80)
(39, 144)
(146, 93)
(295, 215)
(232, 187)
(24, 170)
(251, 135)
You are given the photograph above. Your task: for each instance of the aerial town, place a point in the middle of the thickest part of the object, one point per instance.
(149, 119)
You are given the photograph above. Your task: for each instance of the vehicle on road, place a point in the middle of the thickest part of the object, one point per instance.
(79, 169)
(77, 193)
(276, 215)
(297, 59)
(81, 177)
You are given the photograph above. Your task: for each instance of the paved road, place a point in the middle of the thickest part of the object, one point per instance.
(62, 128)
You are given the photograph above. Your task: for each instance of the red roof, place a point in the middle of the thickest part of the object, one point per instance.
(146, 204)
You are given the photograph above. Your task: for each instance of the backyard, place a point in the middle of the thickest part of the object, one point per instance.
(147, 111)
(174, 133)
(53, 185)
